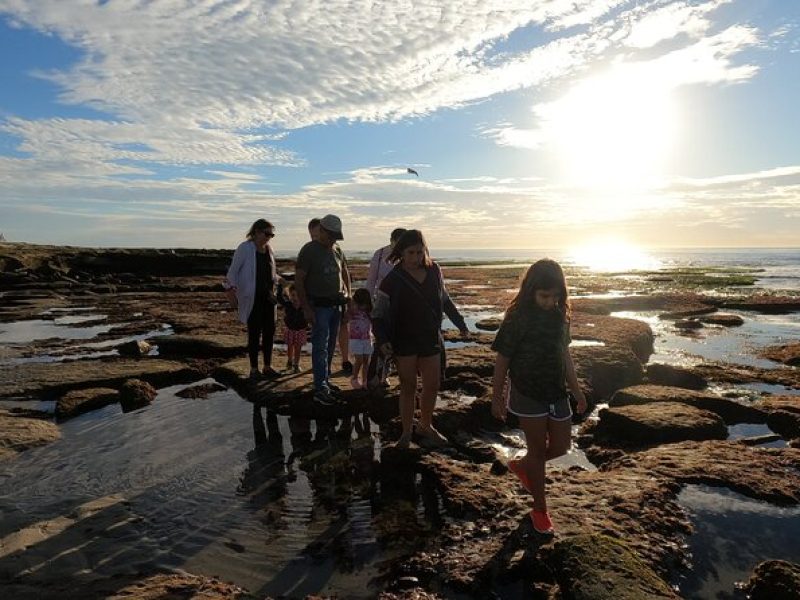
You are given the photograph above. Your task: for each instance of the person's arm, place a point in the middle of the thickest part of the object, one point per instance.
(346, 276)
(381, 314)
(233, 272)
(300, 286)
(499, 408)
(372, 272)
(572, 382)
(450, 308)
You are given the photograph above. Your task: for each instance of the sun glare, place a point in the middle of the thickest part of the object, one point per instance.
(613, 131)
(613, 256)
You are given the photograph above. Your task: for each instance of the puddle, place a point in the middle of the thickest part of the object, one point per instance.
(471, 317)
(22, 332)
(280, 505)
(70, 353)
(47, 406)
(751, 430)
(735, 345)
(512, 443)
(732, 534)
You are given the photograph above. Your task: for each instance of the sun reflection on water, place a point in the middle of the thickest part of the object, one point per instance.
(613, 256)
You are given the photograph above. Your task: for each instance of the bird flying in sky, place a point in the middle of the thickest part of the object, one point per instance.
(411, 171)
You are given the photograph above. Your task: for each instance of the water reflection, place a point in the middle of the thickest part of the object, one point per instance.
(732, 534)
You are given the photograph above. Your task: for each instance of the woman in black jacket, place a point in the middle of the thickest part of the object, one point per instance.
(407, 319)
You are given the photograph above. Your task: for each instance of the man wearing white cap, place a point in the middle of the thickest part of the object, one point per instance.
(322, 282)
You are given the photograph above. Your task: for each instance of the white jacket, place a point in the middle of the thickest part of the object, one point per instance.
(242, 276)
(379, 268)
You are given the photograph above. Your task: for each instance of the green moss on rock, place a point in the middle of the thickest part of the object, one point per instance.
(598, 567)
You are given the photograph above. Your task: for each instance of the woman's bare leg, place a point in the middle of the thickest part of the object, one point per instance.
(407, 372)
(430, 371)
(535, 429)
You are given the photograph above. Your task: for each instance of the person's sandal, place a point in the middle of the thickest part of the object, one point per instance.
(541, 522)
(271, 373)
(515, 466)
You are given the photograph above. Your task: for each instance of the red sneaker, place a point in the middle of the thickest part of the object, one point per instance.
(541, 522)
(515, 466)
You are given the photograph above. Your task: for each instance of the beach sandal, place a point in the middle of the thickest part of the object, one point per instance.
(541, 522)
(515, 466)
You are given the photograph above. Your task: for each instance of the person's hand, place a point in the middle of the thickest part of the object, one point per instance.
(230, 293)
(499, 408)
(581, 400)
(386, 349)
(308, 313)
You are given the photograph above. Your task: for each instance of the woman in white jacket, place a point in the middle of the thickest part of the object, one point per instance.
(250, 287)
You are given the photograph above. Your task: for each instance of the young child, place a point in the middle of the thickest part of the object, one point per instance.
(295, 330)
(532, 348)
(360, 328)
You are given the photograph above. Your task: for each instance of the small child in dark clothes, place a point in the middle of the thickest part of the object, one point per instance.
(295, 332)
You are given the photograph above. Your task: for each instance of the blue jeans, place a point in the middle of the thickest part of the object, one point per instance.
(323, 343)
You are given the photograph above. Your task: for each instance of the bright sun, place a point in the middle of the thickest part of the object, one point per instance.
(612, 256)
(613, 131)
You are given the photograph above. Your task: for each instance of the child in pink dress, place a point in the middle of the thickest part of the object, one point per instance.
(360, 329)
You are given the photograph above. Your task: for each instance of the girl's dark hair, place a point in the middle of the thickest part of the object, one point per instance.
(314, 223)
(259, 225)
(411, 237)
(362, 297)
(396, 233)
(544, 274)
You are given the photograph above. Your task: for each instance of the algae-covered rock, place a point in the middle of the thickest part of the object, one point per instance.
(20, 433)
(598, 567)
(723, 319)
(78, 402)
(136, 393)
(730, 410)
(774, 580)
(659, 423)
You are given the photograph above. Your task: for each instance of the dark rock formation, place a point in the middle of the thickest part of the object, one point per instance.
(724, 319)
(660, 374)
(774, 580)
(136, 393)
(136, 348)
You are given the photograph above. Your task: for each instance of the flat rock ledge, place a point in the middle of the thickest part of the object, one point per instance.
(159, 586)
(655, 423)
(732, 412)
(788, 354)
(768, 474)
(78, 402)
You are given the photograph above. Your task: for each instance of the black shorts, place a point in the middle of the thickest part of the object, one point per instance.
(418, 346)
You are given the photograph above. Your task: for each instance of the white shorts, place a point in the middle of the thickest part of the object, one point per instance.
(360, 347)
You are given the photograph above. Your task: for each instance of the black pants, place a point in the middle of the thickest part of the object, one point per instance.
(261, 328)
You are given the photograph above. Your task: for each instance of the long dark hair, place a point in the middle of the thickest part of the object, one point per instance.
(544, 274)
(411, 237)
(259, 225)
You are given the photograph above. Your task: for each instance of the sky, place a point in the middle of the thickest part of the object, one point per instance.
(532, 124)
